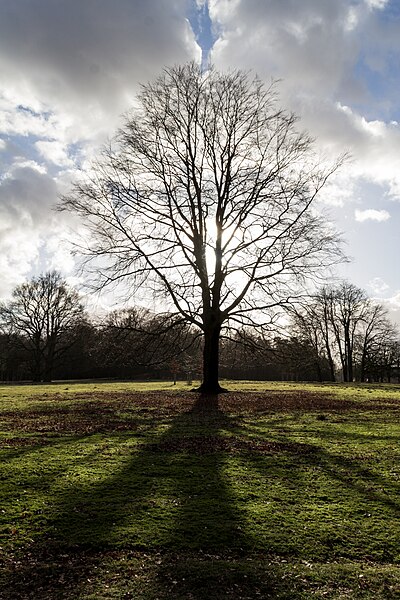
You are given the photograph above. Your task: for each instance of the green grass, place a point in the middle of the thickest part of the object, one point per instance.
(146, 491)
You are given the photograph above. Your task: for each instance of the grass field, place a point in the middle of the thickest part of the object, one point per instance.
(149, 491)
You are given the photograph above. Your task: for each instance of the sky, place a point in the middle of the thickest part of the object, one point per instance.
(69, 70)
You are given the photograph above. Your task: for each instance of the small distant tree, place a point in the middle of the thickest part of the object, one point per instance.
(40, 315)
(207, 196)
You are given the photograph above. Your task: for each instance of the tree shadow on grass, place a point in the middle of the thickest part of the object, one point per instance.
(168, 523)
(338, 503)
(169, 503)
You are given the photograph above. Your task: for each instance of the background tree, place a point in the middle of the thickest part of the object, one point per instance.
(331, 324)
(349, 307)
(206, 196)
(342, 324)
(312, 325)
(245, 355)
(80, 359)
(377, 337)
(136, 338)
(40, 315)
(14, 360)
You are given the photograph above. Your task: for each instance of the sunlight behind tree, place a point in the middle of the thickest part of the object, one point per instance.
(207, 195)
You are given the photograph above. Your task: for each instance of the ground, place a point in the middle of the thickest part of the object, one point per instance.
(146, 491)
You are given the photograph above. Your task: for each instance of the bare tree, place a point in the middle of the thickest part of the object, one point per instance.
(378, 341)
(135, 336)
(342, 324)
(312, 324)
(349, 309)
(207, 196)
(41, 313)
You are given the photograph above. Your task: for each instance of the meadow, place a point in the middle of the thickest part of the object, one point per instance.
(149, 491)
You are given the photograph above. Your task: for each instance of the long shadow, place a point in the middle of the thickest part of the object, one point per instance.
(363, 493)
(171, 505)
(171, 501)
(169, 497)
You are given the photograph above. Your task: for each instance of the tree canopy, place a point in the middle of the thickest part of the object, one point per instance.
(206, 196)
(40, 315)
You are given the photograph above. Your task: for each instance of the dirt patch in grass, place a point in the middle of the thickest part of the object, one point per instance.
(134, 575)
(206, 444)
(88, 418)
(106, 412)
(297, 400)
(19, 442)
(46, 574)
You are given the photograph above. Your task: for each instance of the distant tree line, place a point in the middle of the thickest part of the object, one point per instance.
(350, 333)
(338, 334)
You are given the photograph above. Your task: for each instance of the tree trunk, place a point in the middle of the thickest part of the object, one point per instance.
(344, 370)
(49, 362)
(348, 345)
(48, 373)
(363, 365)
(210, 384)
(318, 370)
(36, 365)
(332, 370)
(350, 369)
(330, 359)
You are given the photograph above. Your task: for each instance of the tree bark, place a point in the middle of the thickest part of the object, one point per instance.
(363, 364)
(210, 384)
(36, 363)
(48, 371)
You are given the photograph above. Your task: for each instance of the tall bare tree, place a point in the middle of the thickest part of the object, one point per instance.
(312, 324)
(341, 323)
(207, 196)
(348, 311)
(40, 315)
(378, 340)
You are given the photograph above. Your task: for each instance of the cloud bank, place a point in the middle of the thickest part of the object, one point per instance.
(68, 70)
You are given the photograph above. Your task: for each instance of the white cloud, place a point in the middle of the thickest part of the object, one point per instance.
(68, 70)
(18, 252)
(371, 214)
(55, 152)
(394, 301)
(27, 223)
(307, 43)
(79, 62)
(16, 119)
(59, 253)
(378, 286)
(393, 306)
(22, 163)
(318, 47)
(339, 191)
(376, 4)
